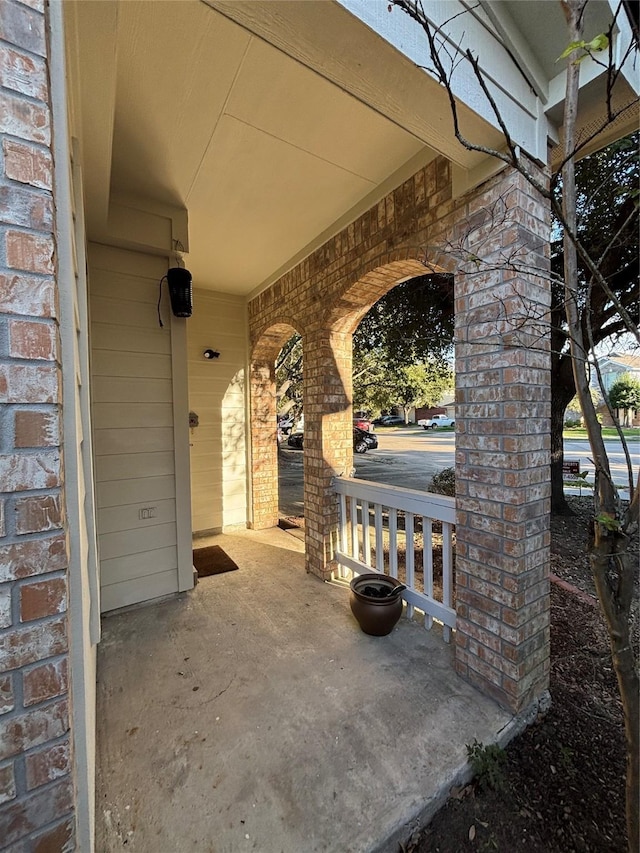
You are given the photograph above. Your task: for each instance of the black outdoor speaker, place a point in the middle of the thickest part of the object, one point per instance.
(180, 291)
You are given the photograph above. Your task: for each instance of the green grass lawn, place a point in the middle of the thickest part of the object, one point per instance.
(607, 432)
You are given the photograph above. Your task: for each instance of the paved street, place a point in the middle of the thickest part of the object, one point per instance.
(580, 450)
(410, 456)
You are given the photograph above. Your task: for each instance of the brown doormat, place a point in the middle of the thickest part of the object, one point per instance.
(212, 561)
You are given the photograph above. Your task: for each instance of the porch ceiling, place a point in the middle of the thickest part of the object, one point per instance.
(178, 104)
(273, 124)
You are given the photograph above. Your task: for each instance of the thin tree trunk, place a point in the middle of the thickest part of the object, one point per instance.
(608, 551)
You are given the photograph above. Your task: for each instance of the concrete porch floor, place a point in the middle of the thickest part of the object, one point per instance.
(252, 714)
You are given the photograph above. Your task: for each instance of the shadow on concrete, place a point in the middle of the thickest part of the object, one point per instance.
(253, 714)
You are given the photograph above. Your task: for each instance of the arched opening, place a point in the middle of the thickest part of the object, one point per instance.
(397, 365)
(403, 350)
(402, 342)
(328, 403)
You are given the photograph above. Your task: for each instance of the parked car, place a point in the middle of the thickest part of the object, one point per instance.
(436, 421)
(390, 420)
(362, 440)
(296, 439)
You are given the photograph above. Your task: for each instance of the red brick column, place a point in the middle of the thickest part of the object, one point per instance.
(264, 446)
(328, 440)
(503, 414)
(36, 788)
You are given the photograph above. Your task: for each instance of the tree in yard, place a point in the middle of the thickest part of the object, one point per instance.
(607, 223)
(402, 345)
(411, 322)
(624, 394)
(386, 385)
(289, 377)
(411, 325)
(615, 522)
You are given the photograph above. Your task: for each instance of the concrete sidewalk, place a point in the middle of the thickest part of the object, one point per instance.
(252, 714)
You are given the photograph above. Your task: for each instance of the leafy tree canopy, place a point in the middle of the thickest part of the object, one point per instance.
(411, 322)
(625, 393)
(403, 345)
(607, 210)
(410, 327)
(385, 386)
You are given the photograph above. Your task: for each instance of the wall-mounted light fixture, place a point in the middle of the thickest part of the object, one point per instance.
(180, 291)
(211, 353)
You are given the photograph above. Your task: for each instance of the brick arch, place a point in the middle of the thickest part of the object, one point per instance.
(264, 446)
(267, 340)
(358, 297)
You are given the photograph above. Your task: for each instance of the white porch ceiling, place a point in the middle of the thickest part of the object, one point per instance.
(273, 124)
(177, 104)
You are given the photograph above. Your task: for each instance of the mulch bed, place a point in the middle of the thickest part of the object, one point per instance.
(562, 780)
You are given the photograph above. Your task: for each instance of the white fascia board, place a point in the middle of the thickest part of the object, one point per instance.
(623, 40)
(464, 28)
(513, 39)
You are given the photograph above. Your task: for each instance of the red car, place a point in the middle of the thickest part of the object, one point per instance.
(363, 424)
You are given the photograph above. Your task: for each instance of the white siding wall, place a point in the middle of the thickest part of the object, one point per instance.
(217, 396)
(132, 404)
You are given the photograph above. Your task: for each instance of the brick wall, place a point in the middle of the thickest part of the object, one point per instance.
(502, 398)
(36, 789)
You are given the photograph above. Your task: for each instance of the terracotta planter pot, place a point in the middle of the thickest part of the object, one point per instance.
(376, 614)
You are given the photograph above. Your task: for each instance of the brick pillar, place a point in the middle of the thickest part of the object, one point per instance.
(264, 446)
(328, 440)
(36, 789)
(503, 487)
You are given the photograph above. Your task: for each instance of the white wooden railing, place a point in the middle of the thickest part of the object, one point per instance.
(369, 521)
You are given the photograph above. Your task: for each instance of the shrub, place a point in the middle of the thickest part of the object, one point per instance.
(444, 482)
(487, 763)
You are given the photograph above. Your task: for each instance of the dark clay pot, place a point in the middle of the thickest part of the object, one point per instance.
(376, 616)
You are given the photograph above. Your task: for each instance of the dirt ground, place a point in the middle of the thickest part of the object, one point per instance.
(560, 785)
